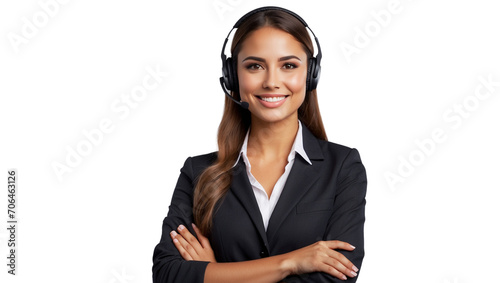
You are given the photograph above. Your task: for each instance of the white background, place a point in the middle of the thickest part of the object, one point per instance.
(101, 221)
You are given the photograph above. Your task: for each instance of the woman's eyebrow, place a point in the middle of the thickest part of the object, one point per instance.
(254, 58)
(289, 57)
(263, 60)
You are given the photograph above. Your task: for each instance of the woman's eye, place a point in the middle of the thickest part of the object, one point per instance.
(289, 66)
(254, 67)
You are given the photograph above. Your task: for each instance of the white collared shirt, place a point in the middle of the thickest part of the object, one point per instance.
(266, 203)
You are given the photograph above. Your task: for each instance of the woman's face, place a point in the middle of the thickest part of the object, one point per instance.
(272, 71)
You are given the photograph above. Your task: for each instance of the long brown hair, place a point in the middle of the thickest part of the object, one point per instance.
(215, 180)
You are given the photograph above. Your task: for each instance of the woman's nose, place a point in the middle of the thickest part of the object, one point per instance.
(272, 79)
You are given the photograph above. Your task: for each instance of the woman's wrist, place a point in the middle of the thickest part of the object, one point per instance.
(269, 269)
(287, 265)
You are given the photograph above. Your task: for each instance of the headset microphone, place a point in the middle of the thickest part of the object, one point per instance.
(240, 103)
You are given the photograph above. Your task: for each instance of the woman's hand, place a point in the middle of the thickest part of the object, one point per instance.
(322, 257)
(189, 247)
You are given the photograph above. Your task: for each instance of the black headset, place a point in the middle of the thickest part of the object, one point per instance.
(229, 79)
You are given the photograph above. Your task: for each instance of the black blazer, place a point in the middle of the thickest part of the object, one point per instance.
(322, 201)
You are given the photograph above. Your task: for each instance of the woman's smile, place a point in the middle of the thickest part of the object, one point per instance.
(272, 100)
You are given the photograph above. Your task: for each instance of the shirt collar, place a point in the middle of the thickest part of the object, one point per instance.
(298, 146)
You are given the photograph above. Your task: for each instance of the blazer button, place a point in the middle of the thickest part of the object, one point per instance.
(264, 254)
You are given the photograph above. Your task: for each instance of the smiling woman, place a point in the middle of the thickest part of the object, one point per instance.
(277, 202)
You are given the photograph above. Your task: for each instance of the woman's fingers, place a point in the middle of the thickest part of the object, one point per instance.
(205, 243)
(189, 247)
(335, 272)
(338, 261)
(342, 270)
(323, 256)
(339, 245)
(340, 257)
(206, 253)
(347, 265)
(181, 244)
(189, 237)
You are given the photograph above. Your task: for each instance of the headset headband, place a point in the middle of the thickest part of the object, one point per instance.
(267, 8)
(238, 23)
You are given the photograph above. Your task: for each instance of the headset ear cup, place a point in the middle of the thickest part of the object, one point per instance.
(310, 68)
(234, 77)
(231, 78)
(226, 70)
(313, 73)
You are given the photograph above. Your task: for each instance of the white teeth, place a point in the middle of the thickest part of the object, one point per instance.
(273, 99)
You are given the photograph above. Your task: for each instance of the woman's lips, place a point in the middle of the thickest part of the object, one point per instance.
(272, 101)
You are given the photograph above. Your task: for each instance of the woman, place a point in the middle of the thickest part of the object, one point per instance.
(277, 202)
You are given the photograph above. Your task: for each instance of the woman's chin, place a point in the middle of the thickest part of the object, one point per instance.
(272, 118)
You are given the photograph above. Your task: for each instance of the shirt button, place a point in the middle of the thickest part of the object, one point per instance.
(264, 254)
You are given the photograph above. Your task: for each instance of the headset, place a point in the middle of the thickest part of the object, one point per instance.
(229, 79)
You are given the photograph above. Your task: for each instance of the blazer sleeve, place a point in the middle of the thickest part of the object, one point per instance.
(168, 264)
(348, 217)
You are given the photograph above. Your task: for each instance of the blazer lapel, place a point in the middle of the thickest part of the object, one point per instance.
(242, 189)
(301, 178)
